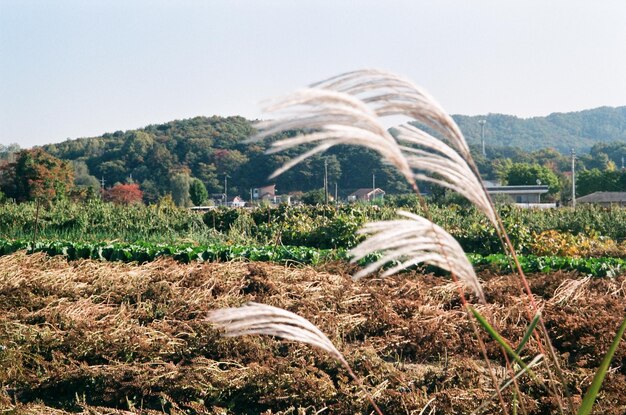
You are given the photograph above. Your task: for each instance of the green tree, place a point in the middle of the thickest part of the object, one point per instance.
(529, 174)
(179, 185)
(150, 191)
(500, 168)
(113, 171)
(82, 178)
(198, 192)
(595, 180)
(137, 146)
(314, 197)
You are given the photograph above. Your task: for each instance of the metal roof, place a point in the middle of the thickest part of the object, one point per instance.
(603, 197)
(518, 190)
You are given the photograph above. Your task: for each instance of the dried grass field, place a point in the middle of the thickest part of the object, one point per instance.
(104, 338)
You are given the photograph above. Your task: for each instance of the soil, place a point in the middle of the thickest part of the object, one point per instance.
(105, 338)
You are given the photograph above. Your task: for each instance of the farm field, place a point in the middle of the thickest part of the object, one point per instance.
(113, 337)
(346, 245)
(587, 231)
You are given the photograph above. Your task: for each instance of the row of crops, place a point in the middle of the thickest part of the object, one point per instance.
(311, 226)
(145, 252)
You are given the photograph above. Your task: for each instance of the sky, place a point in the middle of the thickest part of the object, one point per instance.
(80, 68)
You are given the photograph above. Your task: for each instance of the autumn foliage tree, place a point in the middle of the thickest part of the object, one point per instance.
(36, 174)
(123, 194)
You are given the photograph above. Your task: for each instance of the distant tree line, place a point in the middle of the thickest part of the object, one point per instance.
(190, 160)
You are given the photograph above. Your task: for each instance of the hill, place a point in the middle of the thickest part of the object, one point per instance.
(213, 149)
(563, 131)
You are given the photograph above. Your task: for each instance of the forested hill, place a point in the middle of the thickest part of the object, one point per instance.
(580, 130)
(159, 157)
(212, 149)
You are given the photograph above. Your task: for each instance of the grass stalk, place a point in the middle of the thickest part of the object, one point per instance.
(592, 393)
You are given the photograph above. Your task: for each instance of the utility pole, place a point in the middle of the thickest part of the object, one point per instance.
(225, 189)
(102, 182)
(482, 135)
(335, 192)
(573, 179)
(326, 181)
(622, 162)
(373, 182)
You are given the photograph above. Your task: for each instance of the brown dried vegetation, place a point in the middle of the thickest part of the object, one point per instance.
(112, 338)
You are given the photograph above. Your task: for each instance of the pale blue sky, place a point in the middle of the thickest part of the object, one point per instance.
(80, 68)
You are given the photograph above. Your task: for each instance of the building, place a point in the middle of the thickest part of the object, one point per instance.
(236, 201)
(604, 198)
(366, 195)
(523, 194)
(266, 193)
(219, 199)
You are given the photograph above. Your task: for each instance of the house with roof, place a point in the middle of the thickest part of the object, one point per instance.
(235, 201)
(219, 199)
(366, 195)
(265, 193)
(604, 199)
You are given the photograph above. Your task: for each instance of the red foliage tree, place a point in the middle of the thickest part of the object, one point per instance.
(124, 194)
(36, 174)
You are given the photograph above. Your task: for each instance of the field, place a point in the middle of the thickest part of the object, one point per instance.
(112, 337)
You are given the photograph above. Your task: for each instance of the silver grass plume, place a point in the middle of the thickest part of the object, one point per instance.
(255, 318)
(333, 118)
(445, 166)
(337, 111)
(414, 241)
(391, 94)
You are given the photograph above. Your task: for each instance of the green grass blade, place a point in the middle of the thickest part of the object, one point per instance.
(529, 333)
(497, 337)
(594, 388)
(508, 383)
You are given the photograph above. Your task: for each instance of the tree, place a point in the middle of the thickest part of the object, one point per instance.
(136, 147)
(36, 174)
(594, 180)
(124, 194)
(528, 174)
(113, 171)
(179, 185)
(500, 168)
(197, 192)
(314, 197)
(150, 191)
(8, 152)
(82, 178)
